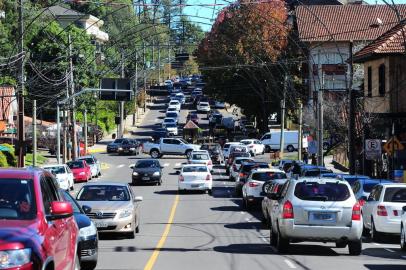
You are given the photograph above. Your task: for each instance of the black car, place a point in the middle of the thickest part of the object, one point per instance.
(113, 147)
(129, 147)
(88, 238)
(215, 151)
(147, 171)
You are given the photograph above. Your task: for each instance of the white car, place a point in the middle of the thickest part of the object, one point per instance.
(255, 146)
(172, 109)
(63, 175)
(226, 148)
(403, 229)
(201, 157)
(236, 165)
(252, 189)
(203, 107)
(195, 177)
(383, 208)
(172, 129)
(175, 103)
(168, 121)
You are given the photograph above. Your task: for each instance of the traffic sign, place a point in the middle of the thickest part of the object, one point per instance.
(373, 149)
(393, 144)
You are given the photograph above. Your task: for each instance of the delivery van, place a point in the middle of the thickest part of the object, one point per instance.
(271, 140)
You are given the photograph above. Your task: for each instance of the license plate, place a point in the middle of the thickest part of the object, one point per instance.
(195, 185)
(323, 216)
(100, 224)
(145, 178)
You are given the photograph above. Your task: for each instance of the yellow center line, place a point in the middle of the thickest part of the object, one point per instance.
(151, 262)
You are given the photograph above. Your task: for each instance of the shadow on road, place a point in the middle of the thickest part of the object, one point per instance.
(385, 266)
(244, 249)
(232, 208)
(166, 192)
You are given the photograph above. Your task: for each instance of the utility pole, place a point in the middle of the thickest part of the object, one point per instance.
(65, 137)
(320, 158)
(34, 132)
(21, 131)
(72, 92)
(145, 77)
(351, 116)
(121, 106)
(85, 131)
(300, 139)
(58, 134)
(283, 105)
(159, 64)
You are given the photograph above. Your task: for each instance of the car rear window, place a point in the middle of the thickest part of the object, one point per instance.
(75, 165)
(248, 168)
(239, 161)
(195, 169)
(395, 194)
(266, 176)
(200, 157)
(315, 191)
(369, 186)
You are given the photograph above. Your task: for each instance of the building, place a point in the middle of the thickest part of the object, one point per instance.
(327, 32)
(8, 111)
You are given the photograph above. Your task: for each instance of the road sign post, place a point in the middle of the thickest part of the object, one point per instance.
(373, 149)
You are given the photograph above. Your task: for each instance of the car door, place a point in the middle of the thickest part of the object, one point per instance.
(277, 205)
(178, 147)
(167, 146)
(368, 208)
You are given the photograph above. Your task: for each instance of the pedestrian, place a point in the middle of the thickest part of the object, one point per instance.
(314, 160)
(305, 156)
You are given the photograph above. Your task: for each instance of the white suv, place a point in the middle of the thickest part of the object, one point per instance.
(252, 189)
(316, 209)
(203, 107)
(383, 209)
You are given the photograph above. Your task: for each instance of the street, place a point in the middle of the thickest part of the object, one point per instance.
(198, 231)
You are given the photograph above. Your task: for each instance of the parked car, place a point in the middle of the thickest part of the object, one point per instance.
(382, 210)
(146, 171)
(235, 166)
(94, 164)
(252, 189)
(255, 146)
(195, 177)
(215, 152)
(316, 209)
(81, 171)
(201, 157)
(113, 207)
(63, 175)
(203, 107)
(88, 237)
(113, 146)
(170, 146)
(244, 172)
(37, 228)
(363, 187)
(271, 140)
(129, 147)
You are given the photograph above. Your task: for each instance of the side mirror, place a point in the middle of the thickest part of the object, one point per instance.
(138, 199)
(131, 166)
(404, 208)
(60, 210)
(86, 209)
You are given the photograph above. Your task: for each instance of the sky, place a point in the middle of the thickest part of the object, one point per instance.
(207, 12)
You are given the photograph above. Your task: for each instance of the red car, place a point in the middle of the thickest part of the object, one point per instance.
(37, 228)
(81, 171)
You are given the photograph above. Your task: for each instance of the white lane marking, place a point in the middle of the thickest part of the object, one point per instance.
(120, 166)
(178, 164)
(290, 264)
(388, 249)
(166, 164)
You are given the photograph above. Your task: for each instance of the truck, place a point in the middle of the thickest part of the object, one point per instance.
(169, 146)
(272, 139)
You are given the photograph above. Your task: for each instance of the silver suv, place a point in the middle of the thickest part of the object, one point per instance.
(317, 210)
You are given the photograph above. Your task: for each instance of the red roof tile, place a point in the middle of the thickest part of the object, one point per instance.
(391, 42)
(6, 100)
(344, 23)
(190, 125)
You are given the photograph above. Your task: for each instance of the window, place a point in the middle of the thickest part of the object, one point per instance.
(47, 196)
(369, 81)
(382, 80)
(315, 191)
(395, 194)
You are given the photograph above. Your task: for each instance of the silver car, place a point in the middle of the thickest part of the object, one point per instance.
(111, 206)
(318, 210)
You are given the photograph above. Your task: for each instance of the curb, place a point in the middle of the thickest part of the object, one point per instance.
(97, 150)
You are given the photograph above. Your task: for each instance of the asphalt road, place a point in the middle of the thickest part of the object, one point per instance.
(199, 231)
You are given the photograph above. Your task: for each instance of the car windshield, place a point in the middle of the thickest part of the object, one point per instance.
(171, 125)
(266, 176)
(68, 198)
(238, 149)
(172, 114)
(17, 199)
(246, 142)
(174, 102)
(90, 161)
(169, 120)
(145, 164)
(315, 191)
(56, 169)
(209, 147)
(171, 109)
(76, 165)
(183, 141)
(238, 154)
(395, 194)
(118, 140)
(103, 193)
(191, 169)
(239, 161)
(200, 157)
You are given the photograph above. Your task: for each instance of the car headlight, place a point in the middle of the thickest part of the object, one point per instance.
(82, 173)
(132, 148)
(120, 148)
(88, 231)
(135, 173)
(125, 213)
(156, 174)
(14, 258)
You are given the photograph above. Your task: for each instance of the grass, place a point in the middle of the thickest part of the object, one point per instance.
(40, 159)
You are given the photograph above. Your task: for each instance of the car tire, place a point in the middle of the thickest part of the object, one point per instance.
(72, 187)
(247, 204)
(88, 265)
(290, 148)
(341, 244)
(267, 149)
(402, 238)
(375, 235)
(273, 237)
(355, 247)
(282, 243)
(137, 230)
(210, 192)
(155, 153)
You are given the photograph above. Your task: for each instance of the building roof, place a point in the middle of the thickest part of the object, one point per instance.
(320, 23)
(62, 11)
(391, 42)
(191, 125)
(7, 94)
(313, 2)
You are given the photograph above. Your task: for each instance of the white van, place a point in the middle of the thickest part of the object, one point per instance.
(272, 139)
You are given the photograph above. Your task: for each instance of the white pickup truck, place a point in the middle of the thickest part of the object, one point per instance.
(169, 146)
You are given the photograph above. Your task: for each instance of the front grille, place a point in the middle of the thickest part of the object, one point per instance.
(87, 252)
(109, 228)
(101, 215)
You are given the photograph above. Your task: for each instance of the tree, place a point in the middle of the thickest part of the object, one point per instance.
(190, 67)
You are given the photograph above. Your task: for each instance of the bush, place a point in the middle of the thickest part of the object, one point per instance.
(10, 156)
(3, 160)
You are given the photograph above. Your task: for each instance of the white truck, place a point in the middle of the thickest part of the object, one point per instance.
(272, 139)
(169, 146)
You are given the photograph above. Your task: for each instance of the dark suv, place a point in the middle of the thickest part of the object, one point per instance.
(215, 151)
(37, 228)
(129, 147)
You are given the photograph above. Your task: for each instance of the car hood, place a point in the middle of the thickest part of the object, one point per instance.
(106, 205)
(146, 170)
(82, 220)
(18, 231)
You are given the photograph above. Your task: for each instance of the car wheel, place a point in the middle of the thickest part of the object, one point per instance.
(267, 149)
(282, 243)
(290, 148)
(210, 192)
(273, 237)
(375, 235)
(355, 247)
(154, 154)
(403, 238)
(72, 186)
(247, 204)
(88, 265)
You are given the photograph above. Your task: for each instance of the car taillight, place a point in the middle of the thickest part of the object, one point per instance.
(356, 212)
(361, 202)
(181, 178)
(381, 211)
(395, 213)
(210, 162)
(208, 177)
(253, 184)
(287, 210)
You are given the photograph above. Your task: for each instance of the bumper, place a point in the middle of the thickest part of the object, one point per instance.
(195, 186)
(126, 152)
(319, 233)
(80, 178)
(88, 248)
(385, 225)
(253, 199)
(116, 225)
(111, 149)
(146, 179)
